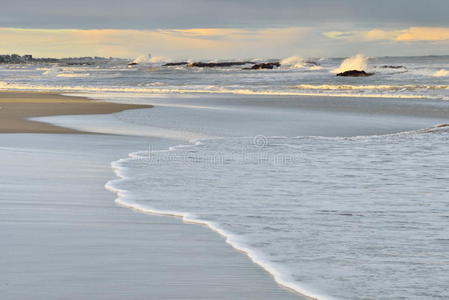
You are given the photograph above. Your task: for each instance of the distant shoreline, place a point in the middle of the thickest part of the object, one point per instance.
(29, 59)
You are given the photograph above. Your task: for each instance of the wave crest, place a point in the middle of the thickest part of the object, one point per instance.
(441, 73)
(336, 87)
(294, 62)
(357, 62)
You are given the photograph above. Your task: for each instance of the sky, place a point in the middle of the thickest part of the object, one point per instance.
(212, 29)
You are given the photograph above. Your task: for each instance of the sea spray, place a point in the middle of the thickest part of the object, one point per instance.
(143, 59)
(52, 71)
(297, 62)
(315, 68)
(441, 73)
(293, 62)
(357, 62)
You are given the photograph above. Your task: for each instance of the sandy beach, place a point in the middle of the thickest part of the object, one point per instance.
(16, 107)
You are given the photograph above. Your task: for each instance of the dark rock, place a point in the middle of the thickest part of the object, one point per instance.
(79, 64)
(264, 66)
(132, 64)
(218, 64)
(355, 73)
(392, 67)
(182, 63)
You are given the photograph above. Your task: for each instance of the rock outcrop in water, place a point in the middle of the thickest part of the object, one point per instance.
(174, 64)
(208, 64)
(355, 73)
(218, 64)
(392, 67)
(255, 66)
(270, 66)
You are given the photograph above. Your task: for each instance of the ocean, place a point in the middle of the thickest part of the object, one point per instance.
(339, 195)
(423, 77)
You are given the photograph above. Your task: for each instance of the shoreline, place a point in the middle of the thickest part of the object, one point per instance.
(17, 107)
(232, 270)
(65, 226)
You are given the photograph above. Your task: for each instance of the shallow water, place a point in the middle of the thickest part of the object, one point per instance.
(334, 218)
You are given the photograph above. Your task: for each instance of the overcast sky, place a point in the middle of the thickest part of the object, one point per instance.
(321, 27)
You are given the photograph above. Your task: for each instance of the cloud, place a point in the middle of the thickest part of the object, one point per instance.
(156, 14)
(411, 34)
(213, 43)
(424, 34)
(175, 43)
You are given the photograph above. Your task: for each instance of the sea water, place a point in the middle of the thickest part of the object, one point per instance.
(332, 218)
(405, 77)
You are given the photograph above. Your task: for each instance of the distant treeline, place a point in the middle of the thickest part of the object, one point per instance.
(24, 59)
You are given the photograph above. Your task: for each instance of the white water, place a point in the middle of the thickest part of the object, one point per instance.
(296, 76)
(441, 73)
(358, 62)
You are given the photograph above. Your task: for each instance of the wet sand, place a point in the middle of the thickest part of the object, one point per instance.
(16, 107)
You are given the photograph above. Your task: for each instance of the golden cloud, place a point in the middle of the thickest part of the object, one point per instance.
(424, 34)
(177, 43)
(412, 34)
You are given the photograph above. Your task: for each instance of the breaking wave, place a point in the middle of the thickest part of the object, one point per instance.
(297, 62)
(53, 71)
(59, 72)
(358, 62)
(441, 73)
(73, 75)
(294, 62)
(338, 87)
(142, 60)
(217, 90)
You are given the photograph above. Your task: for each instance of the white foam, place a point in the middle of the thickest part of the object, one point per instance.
(441, 73)
(294, 62)
(357, 62)
(73, 75)
(216, 90)
(143, 60)
(53, 71)
(315, 68)
(337, 87)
